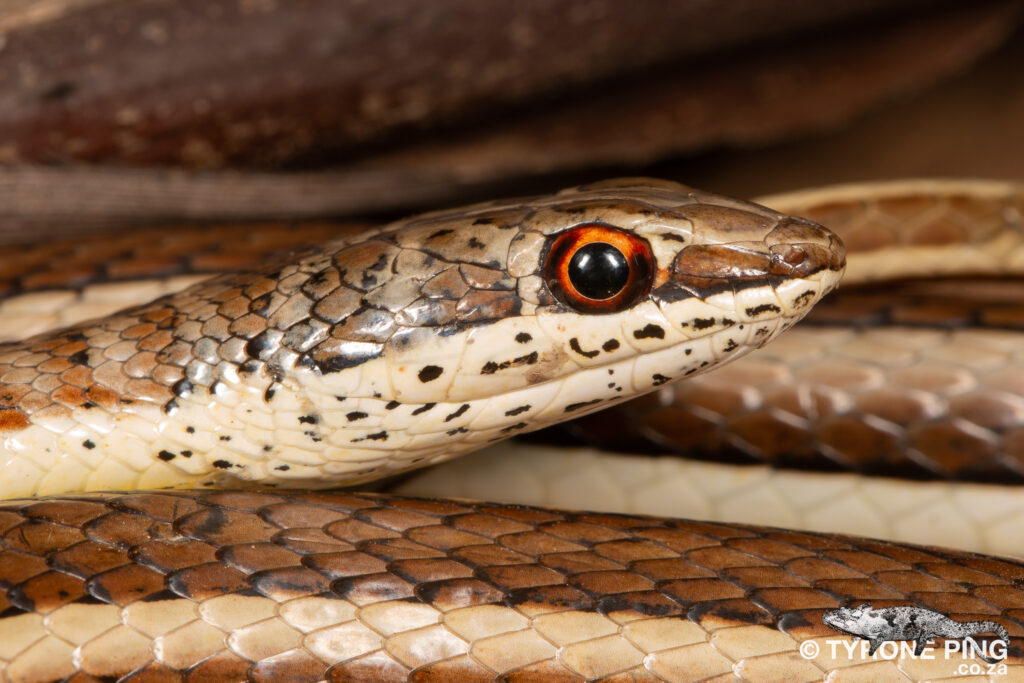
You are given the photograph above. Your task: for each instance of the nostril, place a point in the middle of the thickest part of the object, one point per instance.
(794, 256)
(799, 260)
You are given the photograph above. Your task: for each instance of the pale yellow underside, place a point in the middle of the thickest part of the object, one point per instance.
(104, 640)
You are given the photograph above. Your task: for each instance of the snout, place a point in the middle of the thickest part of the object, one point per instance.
(800, 248)
(795, 248)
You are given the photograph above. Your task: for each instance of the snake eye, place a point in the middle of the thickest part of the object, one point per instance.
(598, 269)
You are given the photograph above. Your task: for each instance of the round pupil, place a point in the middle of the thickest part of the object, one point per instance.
(598, 270)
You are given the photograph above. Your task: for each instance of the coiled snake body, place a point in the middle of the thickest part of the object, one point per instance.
(396, 349)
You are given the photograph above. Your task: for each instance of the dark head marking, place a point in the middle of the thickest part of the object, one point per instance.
(650, 331)
(574, 344)
(430, 372)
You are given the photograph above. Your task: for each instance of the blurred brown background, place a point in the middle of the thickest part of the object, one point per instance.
(125, 111)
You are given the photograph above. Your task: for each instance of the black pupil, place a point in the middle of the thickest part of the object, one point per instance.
(598, 271)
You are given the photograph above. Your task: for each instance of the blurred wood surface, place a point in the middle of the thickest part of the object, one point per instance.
(207, 83)
(880, 96)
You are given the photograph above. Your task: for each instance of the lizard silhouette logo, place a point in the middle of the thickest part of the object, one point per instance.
(917, 624)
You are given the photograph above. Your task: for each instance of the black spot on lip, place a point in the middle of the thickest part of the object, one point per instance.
(731, 345)
(659, 379)
(166, 456)
(650, 331)
(458, 430)
(88, 444)
(190, 429)
(576, 406)
(804, 297)
(483, 221)
(512, 428)
(523, 338)
(574, 344)
(391, 405)
(356, 415)
(224, 437)
(430, 372)
(309, 419)
(610, 345)
(461, 409)
(440, 233)
(703, 323)
(376, 436)
(490, 367)
(282, 468)
(517, 411)
(763, 308)
(423, 408)
(222, 464)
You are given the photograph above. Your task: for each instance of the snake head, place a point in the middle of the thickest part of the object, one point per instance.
(505, 317)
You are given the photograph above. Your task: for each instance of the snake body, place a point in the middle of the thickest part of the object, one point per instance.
(310, 586)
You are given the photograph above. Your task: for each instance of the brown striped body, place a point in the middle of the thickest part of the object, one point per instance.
(335, 586)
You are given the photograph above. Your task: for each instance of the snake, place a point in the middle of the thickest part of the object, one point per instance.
(173, 466)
